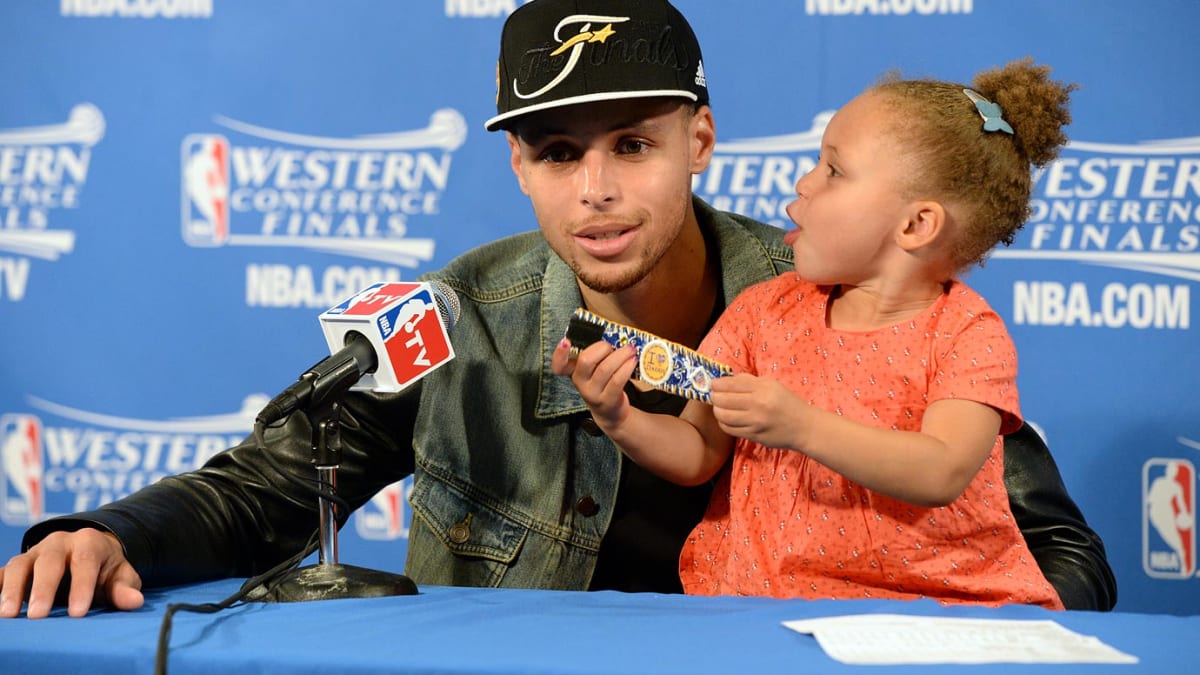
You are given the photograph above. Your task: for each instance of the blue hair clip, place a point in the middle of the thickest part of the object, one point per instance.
(990, 112)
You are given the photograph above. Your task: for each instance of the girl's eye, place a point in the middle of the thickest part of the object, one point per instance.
(830, 170)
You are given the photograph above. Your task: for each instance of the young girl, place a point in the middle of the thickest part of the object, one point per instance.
(871, 387)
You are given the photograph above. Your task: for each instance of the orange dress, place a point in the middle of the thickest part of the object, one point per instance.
(782, 525)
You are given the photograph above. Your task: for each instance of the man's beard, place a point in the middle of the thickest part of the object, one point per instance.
(607, 281)
(609, 284)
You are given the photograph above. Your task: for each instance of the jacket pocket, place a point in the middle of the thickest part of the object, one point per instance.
(463, 524)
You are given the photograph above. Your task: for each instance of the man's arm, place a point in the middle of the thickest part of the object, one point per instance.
(1069, 552)
(236, 516)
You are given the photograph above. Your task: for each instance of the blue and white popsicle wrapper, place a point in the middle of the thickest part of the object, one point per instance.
(662, 364)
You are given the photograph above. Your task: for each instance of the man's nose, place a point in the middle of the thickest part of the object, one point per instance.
(598, 183)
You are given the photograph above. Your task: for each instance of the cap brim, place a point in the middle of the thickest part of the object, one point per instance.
(502, 121)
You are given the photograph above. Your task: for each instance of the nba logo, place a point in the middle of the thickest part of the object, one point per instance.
(22, 500)
(205, 174)
(383, 518)
(1169, 518)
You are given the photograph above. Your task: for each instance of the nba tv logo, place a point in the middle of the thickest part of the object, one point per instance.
(1169, 518)
(22, 488)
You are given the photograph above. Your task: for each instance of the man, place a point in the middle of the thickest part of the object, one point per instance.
(607, 119)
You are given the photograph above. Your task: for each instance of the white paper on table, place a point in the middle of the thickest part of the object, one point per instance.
(866, 639)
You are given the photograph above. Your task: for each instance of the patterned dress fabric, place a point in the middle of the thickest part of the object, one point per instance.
(780, 524)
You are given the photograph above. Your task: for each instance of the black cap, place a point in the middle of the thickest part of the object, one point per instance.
(562, 52)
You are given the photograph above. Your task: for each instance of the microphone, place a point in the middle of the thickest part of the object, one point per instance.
(383, 338)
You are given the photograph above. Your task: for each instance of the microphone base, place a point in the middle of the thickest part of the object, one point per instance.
(332, 581)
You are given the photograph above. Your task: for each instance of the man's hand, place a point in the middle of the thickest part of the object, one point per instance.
(96, 563)
(600, 373)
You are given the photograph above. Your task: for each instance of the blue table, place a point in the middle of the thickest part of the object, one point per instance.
(471, 630)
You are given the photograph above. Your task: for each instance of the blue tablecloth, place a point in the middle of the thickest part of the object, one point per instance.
(472, 630)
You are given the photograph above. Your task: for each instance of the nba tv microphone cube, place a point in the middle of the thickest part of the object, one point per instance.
(401, 320)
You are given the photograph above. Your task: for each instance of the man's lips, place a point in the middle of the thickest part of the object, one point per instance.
(601, 236)
(606, 242)
(790, 237)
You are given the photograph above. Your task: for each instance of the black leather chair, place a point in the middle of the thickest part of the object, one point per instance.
(1069, 552)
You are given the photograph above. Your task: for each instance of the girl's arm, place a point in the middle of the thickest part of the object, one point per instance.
(930, 467)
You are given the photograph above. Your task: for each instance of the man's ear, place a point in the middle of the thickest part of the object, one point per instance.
(926, 224)
(702, 132)
(514, 146)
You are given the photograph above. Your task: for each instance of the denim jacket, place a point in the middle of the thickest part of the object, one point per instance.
(512, 487)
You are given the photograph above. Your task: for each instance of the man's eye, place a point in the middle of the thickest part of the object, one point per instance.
(631, 146)
(554, 156)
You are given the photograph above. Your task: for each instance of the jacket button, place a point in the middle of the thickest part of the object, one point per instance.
(589, 425)
(460, 532)
(587, 506)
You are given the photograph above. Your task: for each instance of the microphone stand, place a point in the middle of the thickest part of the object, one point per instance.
(328, 579)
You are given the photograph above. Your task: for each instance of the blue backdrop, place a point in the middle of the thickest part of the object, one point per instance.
(186, 184)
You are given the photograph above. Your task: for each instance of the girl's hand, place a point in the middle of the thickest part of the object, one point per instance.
(759, 409)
